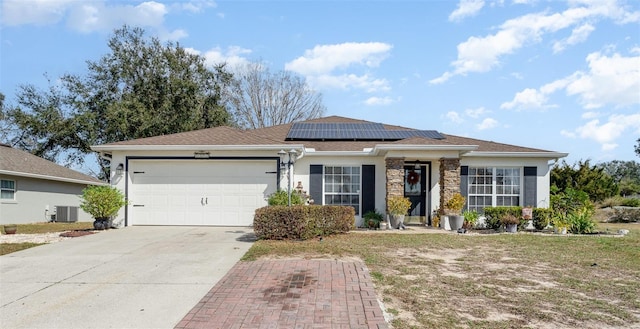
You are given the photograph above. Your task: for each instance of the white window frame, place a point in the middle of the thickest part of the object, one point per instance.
(336, 188)
(514, 184)
(12, 190)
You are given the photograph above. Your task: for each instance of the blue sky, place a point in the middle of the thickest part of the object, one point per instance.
(557, 75)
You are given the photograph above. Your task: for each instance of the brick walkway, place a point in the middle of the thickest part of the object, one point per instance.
(290, 294)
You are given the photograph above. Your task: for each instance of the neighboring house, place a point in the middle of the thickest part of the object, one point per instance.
(219, 176)
(33, 189)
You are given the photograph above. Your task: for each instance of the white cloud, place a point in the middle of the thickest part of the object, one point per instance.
(608, 132)
(567, 133)
(233, 56)
(482, 54)
(454, 117)
(98, 16)
(322, 65)
(37, 12)
(590, 115)
(613, 79)
(475, 113)
(194, 6)
(578, 35)
(379, 101)
(466, 8)
(487, 123)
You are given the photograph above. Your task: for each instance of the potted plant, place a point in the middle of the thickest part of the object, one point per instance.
(470, 219)
(102, 203)
(454, 207)
(398, 207)
(10, 228)
(560, 224)
(510, 222)
(372, 219)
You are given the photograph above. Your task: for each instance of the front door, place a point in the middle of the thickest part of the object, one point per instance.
(415, 188)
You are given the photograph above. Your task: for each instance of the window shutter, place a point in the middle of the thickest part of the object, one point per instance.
(464, 183)
(368, 188)
(530, 187)
(315, 184)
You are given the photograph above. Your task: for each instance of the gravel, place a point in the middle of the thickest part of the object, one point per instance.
(33, 238)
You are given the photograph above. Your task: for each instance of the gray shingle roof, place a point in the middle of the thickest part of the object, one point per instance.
(21, 163)
(276, 135)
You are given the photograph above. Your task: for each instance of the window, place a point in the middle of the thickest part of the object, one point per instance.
(492, 187)
(342, 186)
(7, 189)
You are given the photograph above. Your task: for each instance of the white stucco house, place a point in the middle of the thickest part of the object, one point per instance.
(33, 189)
(219, 176)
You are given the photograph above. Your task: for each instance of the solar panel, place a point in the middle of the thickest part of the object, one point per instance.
(353, 131)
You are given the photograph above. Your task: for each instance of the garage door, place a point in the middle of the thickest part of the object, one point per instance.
(198, 192)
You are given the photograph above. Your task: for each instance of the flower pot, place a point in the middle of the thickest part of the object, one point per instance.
(102, 223)
(10, 229)
(512, 228)
(455, 222)
(397, 221)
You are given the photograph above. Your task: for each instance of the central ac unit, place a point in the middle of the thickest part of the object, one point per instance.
(68, 214)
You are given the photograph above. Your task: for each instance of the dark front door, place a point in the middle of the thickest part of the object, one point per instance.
(415, 188)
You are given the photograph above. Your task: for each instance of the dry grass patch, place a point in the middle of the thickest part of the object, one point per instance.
(492, 281)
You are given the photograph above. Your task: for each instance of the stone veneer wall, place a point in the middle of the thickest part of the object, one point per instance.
(449, 180)
(395, 177)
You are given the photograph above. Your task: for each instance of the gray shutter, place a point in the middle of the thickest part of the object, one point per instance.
(315, 184)
(464, 184)
(368, 188)
(530, 188)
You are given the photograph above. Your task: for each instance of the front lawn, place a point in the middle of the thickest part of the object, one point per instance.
(492, 281)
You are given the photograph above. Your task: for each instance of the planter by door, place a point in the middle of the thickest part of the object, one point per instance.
(10, 229)
(512, 228)
(455, 222)
(397, 221)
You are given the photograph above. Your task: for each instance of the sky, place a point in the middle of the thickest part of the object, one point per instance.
(556, 75)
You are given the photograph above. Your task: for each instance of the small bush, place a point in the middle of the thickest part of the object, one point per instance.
(372, 219)
(302, 222)
(281, 198)
(625, 215)
(611, 202)
(541, 217)
(630, 202)
(580, 222)
(495, 214)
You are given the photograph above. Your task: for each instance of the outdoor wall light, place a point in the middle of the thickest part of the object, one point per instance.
(119, 169)
(417, 166)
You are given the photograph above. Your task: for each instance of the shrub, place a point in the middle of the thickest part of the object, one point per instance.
(495, 214)
(470, 218)
(611, 202)
(398, 205)
(281, 198)
(102, 201)
(373, 218)
(630, 202)
(302, 222)
(580, 222)
(541, 217)
(455, 204)
(625, 215)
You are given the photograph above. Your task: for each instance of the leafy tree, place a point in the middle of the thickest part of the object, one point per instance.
(638, 147)
(626, 174)
(258, 98)
(140, 88)
(592, 180)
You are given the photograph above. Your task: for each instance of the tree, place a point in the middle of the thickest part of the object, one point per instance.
(258, 98)
(638, 147)
(140, 88)
(592, 180)
(626, 174)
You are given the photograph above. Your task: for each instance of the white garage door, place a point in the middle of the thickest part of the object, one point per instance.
(198, 192)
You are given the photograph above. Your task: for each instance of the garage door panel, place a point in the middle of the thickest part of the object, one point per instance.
(196, 192)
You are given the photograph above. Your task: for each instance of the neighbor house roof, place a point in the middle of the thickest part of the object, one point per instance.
(20, 163)
(277, 136)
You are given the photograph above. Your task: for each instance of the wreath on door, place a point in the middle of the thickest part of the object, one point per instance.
(413, 178)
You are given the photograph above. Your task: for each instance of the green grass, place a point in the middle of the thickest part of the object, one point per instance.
(491, 281)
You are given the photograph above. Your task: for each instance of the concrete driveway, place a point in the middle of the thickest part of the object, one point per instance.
(136, 277)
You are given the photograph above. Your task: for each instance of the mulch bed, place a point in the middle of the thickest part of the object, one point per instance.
(76, 233)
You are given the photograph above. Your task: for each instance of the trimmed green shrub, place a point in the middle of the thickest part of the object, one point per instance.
(102, 201)
(302, 222)
(625, 215)
(542, 217)
(494, 214)
(281, 198)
